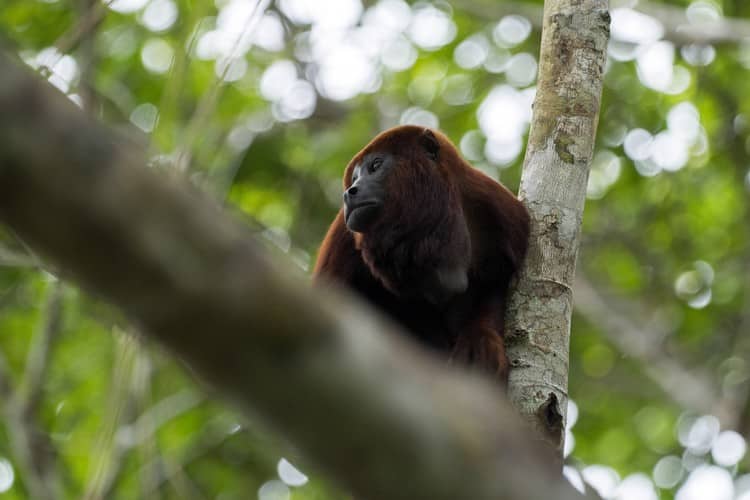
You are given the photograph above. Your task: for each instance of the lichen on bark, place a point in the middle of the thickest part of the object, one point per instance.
(560, 147)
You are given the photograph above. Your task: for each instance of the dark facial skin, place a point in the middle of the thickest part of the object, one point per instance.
(365, 198)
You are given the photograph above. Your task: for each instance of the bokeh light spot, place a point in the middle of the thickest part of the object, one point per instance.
(391, 15)
(635, 27)
(511, 30)
(698, 54)
(290, 474)
(269, 34)
(636, 487)
(701, 12)
(61, 70)
(144, 116)
(431, 28)
(274, 490)
(399, 54)
(156, 55)
(7, 476)
(230, 69)
(297, 103)
(698, 434)
(159, 15)
(655, 65)
(521, 69)
(419, 116)
(637, 144)
(707, 482)
(602, 478)
(125, 6)
(574, 478)
(668, 472)
(472, 52)
(605, 170)
(472, 145)
(728, 449)
(277, 79)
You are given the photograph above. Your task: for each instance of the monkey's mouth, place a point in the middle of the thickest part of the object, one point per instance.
(360, 216)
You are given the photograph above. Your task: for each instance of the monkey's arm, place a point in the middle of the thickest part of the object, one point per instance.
(480, 342)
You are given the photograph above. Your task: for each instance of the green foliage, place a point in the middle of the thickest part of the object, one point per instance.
(665, 245)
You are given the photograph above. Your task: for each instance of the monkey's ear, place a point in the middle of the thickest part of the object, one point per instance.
(430, 143)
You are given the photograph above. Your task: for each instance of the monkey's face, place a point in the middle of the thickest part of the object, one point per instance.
(366, 196)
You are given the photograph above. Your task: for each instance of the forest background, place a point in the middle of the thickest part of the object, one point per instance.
(262, 105)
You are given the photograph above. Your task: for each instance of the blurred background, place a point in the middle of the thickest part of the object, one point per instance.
(263, 103)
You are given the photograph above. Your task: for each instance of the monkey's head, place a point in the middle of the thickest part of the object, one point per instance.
(365, 198)
(397, 172)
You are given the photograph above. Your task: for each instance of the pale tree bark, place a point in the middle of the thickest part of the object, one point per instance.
(380, 415)
(553, 187)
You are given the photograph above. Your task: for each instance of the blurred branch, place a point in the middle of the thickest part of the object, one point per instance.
(6, 380)
(735, 389)
(87, 53)
(87, 24)
(207, 104)
(741, 392)
(387, 419)
(122, 432)
(140, 384)
(681, 31)
(163, 412)
(643, 341)
(677, 27)
(107, 456)
(79, 33)
(38, 358)
(144, 429)
(34, 453)
(8, 258)
(174, 471)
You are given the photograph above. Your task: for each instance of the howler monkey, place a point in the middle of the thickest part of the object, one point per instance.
(430, 241)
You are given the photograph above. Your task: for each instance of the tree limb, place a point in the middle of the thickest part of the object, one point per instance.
(691, 389)
(34, 453)
(387, 420)
(677, 28)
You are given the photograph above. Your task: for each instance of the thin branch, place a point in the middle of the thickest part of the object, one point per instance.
(6, 380)
(741, 393)
(335, 379)
(143, 430)
(107, 454)
(81, 31)
(9, 258)
(677, 28)
(37, 361)
(208, 102)
(140, 385)
(173, 471)
(86, 25)
(32, 449)
(680, 30)
(643, 340)
(163, 412)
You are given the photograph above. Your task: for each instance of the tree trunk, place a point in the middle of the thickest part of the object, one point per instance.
(553, 187)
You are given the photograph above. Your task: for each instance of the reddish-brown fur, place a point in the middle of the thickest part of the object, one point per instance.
(437, 211)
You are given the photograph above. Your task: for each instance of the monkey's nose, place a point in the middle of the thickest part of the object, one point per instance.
(352, 191)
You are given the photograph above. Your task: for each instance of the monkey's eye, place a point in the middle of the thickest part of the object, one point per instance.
(375, 165)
